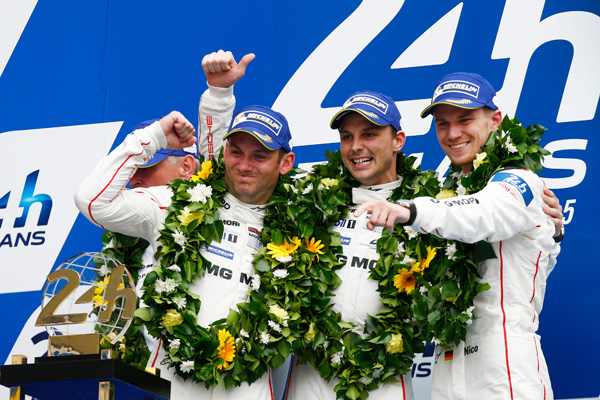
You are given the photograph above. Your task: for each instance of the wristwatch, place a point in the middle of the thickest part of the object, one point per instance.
(559, 238)
(413, 211)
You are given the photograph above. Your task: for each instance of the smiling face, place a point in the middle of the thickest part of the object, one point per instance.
(369, 150)
(252, 170)
(462, 132)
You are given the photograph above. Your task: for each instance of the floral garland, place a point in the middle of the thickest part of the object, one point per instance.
(426, 284)
(131, 347)
(231, 350)
(299, 267)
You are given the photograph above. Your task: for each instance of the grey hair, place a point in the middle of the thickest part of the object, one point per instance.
(177, 159)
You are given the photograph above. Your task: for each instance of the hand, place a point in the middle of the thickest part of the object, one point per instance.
(221, 70)
(384, 213)
(180, 132)
(553, 210)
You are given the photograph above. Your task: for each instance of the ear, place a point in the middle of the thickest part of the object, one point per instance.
(496, 120)
(287, 162)
(188, 167)
(399, 141)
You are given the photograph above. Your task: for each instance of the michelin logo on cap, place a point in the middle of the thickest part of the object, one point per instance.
(259, 117)
(379, 104)
(457, 87)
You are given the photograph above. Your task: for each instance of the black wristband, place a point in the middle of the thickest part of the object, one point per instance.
(413, 212)
(559, 238)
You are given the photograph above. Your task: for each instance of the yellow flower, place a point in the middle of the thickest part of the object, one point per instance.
(405, 280)
(314, 246)
(172, 318)
(310, 334)
(186, 216)
(479, 159)
(204, 173)
(283, 250)
(226, 349)
(445, 194)
(99, 290)
(431, 252)
(329, 182)
(395, 345)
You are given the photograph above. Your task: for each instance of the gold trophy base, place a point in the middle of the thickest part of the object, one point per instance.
(74, 345)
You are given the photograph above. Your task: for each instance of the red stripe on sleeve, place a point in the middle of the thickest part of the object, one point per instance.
(108, 184)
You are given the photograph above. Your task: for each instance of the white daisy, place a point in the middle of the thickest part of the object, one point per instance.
(179, 238)
(180, 302)
(275, 326)
(410, 232)
(365, 381)
(510, 146)
(265, 337)
(336, 358)
(170, 284)
(159, 286)
(399, 250)
(174, 344)
(200, 193)
(280, 273)
(174, 268)
(450, 250)
(186, 366)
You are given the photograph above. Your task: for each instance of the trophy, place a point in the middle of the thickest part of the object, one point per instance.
(88, 299)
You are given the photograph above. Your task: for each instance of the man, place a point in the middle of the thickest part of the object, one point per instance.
(501, 357)
(370, 139)
(253, 164)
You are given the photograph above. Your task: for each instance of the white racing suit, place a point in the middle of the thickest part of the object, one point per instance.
(103, 199)
(355, 298)
(501, 357)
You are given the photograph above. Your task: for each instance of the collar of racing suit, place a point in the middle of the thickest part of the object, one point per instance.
(243, 212)
(362, 194)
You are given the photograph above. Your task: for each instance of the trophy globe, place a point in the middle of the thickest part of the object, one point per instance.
(89, 293)
(88, 300)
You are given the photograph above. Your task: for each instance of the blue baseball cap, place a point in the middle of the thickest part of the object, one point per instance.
(161, 154)
(464, 90)
(376, 107)
(267, 126)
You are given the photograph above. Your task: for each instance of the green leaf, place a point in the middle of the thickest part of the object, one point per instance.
(263, 265)
(352, 392)
(142, 313)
